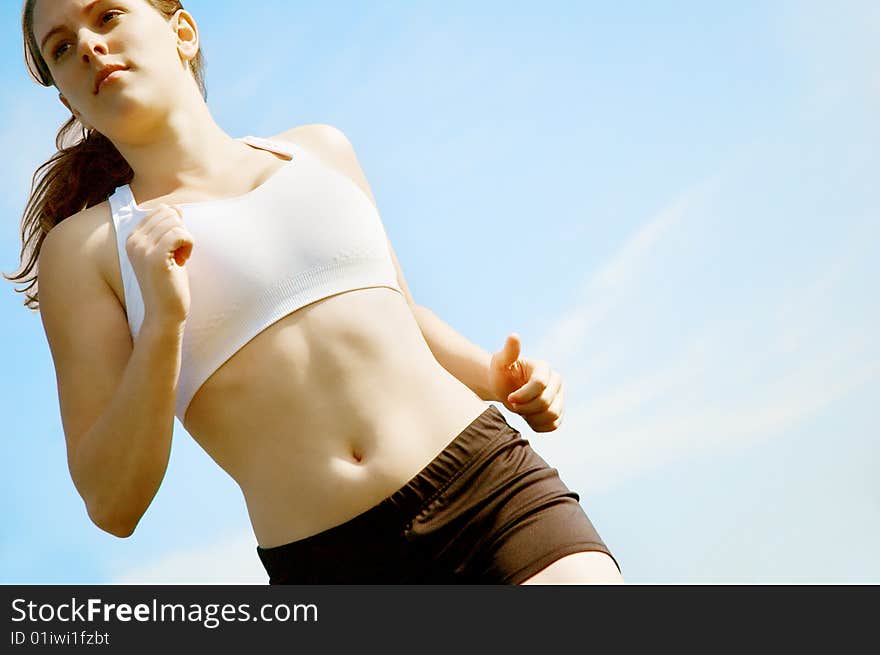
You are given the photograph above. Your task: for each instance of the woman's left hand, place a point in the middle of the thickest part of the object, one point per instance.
(527, 387)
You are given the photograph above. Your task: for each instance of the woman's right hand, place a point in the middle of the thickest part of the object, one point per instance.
(158, 248)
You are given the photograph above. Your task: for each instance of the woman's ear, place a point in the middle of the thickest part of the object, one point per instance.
(187, 34)
(73, 111)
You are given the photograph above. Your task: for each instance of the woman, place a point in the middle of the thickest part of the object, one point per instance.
(247, 286)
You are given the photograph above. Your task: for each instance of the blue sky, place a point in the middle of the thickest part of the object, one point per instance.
(676, 205)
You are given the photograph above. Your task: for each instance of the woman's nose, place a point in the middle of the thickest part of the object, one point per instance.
(92, 44)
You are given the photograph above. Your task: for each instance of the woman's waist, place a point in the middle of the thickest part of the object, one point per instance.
(333, 408)
(298, 485)
(264, 434)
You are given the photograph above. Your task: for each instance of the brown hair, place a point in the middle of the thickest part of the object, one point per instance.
(82, 173)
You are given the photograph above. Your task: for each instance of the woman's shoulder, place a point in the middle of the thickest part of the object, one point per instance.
(90, 233)
(83, 225)
(320, 138)
(332, 146)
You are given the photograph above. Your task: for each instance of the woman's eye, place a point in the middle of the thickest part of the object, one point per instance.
(59, 50)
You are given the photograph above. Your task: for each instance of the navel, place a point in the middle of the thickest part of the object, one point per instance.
(351, 460)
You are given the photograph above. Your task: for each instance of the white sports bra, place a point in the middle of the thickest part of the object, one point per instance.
(306, 233)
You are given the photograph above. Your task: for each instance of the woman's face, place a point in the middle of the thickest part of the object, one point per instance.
(79, 38)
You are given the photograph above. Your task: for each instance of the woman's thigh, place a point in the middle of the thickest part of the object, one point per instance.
(589, 567)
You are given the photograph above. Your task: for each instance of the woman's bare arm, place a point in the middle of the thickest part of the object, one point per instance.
(117, 400)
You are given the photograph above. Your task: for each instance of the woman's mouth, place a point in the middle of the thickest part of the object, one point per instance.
(107, 79)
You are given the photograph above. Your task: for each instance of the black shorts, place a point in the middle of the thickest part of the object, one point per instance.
(486, 510)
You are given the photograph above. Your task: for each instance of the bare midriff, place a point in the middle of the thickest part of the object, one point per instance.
(326, 412)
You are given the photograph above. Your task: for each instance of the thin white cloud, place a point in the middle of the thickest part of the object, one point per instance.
(838, 45)
(626, 263)
(606, 288)
(748, 378)
(229, 560)
(698, 423)
(801, 312)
